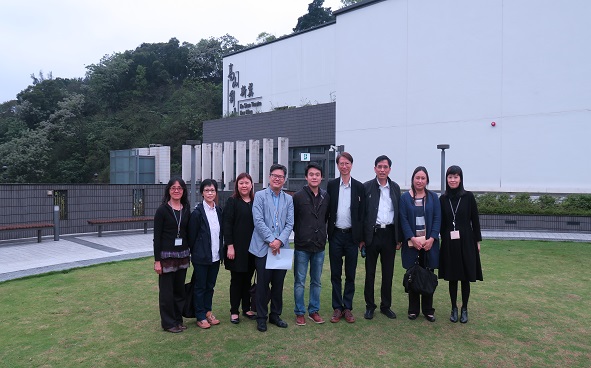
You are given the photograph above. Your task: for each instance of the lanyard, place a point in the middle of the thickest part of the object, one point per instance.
(454, 212)
(178, 221)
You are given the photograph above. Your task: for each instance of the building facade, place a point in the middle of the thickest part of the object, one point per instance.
(505, 84)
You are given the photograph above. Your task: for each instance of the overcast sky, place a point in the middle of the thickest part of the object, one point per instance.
(63, 36)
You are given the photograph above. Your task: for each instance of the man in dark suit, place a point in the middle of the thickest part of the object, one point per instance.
(382, 235)
(345, 235)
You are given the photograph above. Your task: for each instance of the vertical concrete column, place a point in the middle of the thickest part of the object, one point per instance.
(206, 161)
(198, 164)
(186, 163)
(267, 159)
(253, 159)
(216, 163)
(240, 157)
(283, 151)
(228, 164)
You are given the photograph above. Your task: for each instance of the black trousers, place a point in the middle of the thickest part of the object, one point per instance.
(171, 298)
(240, 283)
(383, 246)
(342, 245)
(264, 278)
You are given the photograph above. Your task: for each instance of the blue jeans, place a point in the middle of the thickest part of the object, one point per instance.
(301, 260)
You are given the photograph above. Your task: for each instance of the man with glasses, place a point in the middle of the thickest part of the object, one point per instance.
(272, 212)
(345, 236)
(382, 235)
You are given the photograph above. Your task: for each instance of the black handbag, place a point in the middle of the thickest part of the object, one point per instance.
(189, 307)
(419, 279)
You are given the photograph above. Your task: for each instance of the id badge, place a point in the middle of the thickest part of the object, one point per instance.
(454, 234)
(178, 242)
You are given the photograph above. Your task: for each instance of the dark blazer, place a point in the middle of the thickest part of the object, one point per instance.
(165, 229)
(237, 228)
(357, 208)
(372, 196)
(200, 236)
(432, 225)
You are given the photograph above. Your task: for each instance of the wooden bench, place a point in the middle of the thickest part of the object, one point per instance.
(102, 222)
(37, 226)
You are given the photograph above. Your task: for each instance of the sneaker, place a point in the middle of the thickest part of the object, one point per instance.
(203, 324)
(300, 320)
(348, 316)
(316, 317)
(211, 319)
(336, 316)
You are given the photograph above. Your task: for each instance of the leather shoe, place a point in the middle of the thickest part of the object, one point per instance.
(430, 318)
(412, 316)
(348, 316)
(454, 315)
(174, 329)
(279, 322)
(336, 316)
(368, 313)
(262, 325)
(464, 316)
(249, 316)
(388, 313)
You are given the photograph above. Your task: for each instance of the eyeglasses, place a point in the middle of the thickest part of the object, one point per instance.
(176, 189)
(209, 190)
(275, 176)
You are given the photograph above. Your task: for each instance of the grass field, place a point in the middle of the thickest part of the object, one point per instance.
(532, 310)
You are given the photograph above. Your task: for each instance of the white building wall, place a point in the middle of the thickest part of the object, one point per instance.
(295, 71)
(408, 75)
(452, 68)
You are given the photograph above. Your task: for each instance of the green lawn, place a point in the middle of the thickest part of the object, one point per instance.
(532, 310)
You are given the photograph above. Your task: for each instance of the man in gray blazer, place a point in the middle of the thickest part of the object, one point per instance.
(272, 212)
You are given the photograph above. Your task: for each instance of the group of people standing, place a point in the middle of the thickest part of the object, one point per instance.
(372, 219)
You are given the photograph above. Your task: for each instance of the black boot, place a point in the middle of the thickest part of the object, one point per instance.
(454, 315)
(464, 316)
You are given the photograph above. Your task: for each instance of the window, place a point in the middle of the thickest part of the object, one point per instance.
(60, 199)
(138, 203)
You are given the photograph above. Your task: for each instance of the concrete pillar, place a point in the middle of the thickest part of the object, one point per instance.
(228, 165)
(216, 163)
(186, 163)
(240, 157)
(267, 159)
(206, 161)
(283, 151)
(253, 159)
(198, 164)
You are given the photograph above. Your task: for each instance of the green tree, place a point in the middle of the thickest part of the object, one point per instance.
(317, 15)
(264, 37)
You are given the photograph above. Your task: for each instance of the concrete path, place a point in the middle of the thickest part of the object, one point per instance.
(25, 257)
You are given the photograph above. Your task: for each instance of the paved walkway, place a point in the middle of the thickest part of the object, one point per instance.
(25, 257)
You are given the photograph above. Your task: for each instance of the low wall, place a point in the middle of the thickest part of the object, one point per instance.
(560, 224)
(34, 203)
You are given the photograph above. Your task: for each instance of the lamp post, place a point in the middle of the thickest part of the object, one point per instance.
(442, 147)
(193, 196)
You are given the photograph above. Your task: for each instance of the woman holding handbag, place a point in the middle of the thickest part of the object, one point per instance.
(238, 226)
(460, 241)
(420, 216)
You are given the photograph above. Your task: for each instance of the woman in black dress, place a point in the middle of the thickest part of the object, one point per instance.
(459, 259)
(238, 226)
(171, 253)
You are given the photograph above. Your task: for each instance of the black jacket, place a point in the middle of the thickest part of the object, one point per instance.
(310, 221)
(357, 208)
(199, 236)
(372, 196)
